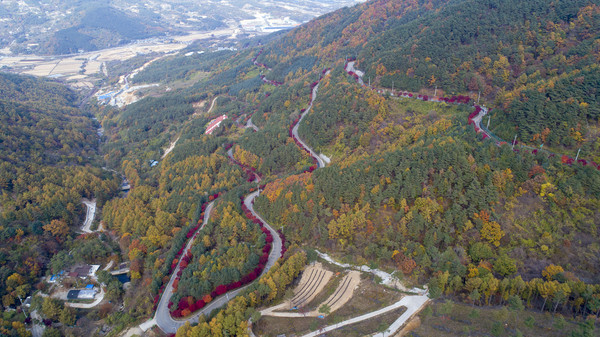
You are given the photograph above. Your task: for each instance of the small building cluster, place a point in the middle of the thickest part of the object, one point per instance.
(214, 124)
(84, 272)
(79, 271)
(82, 294)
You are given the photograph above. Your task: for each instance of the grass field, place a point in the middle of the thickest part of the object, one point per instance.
(376, 324)
(457, 319)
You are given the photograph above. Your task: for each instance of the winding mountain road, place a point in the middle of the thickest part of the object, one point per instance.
(320, 161)
(350, 68)
(163, 317)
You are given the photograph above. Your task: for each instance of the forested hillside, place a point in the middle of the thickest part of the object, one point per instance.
(46, 151)
(100, 27)
(469, 47)
(409, 185)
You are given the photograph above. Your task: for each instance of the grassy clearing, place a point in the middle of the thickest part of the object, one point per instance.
(457, 319)
(374, 325)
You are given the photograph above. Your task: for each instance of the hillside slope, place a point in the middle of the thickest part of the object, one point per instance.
(47, 147)
(409, 186)
(98, 28)
(497, 49)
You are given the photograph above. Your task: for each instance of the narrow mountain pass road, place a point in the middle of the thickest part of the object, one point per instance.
(163, 317)
(275, 253)
(320, 161)
(350, 68)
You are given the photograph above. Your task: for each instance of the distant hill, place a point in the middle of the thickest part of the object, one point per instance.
(99, 28)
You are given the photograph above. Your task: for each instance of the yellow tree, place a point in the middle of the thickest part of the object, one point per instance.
(552, 270)
(546, 289)
(432, 80)
(13, 281)
(492, 232)
(58, 229)
(344, 228)
(492, 288)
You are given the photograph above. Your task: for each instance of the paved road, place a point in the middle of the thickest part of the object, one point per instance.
(120, 271)
(90, 213)
(249, 124)
(277, 244)
(109, 265)
(163, 318)
(413, 305)
(350, 67)
(477, 119)
(320, 161)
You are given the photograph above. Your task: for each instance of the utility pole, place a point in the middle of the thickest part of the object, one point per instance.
(514, 140)
(369, 81)
(488, 124)
(392, 87)
(478, 97)
(577, 156)
(435, 91)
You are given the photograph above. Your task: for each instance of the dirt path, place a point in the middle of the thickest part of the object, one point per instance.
(170, 148)
(212, 105)
(413, 305)
(386, 278)
(344, 292)
(312, 282)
